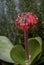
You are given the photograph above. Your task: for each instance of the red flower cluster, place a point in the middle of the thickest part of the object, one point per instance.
(25, 20)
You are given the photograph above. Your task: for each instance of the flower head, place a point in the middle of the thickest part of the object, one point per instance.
(25, 20)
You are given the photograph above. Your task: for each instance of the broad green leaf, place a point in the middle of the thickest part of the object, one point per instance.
(35, 48)
(5, 48)
(18, 54)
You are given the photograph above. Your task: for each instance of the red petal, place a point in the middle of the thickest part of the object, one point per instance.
(31, 19)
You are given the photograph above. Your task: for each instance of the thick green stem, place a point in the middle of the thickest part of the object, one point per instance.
(26, 44)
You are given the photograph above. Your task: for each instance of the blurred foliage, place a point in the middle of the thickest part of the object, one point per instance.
(8, 15)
